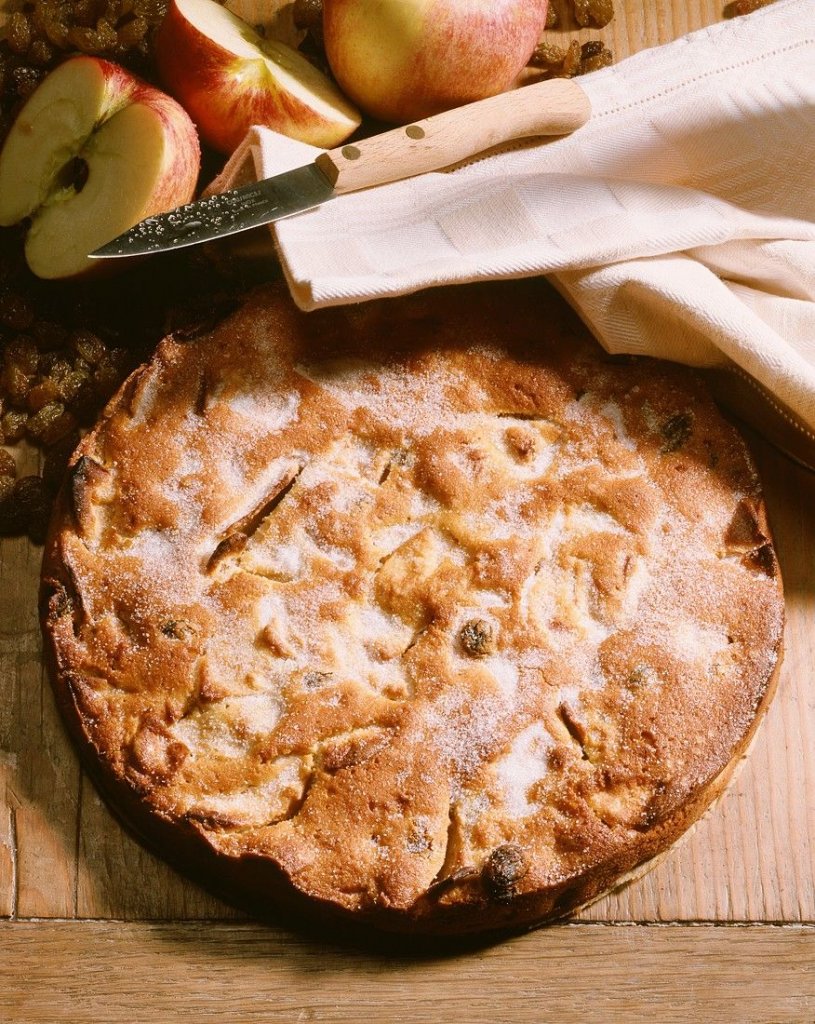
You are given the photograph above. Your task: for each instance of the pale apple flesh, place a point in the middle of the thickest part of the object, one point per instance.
(229, 78)
(93, 151)
(402, 60)
(128, 179)
(52, 127)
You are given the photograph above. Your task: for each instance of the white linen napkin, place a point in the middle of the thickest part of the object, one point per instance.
(680, 222)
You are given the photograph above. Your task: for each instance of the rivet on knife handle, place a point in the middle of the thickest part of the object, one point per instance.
(555, 107)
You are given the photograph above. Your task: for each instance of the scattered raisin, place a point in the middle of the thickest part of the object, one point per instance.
(85, 406)
(557, 61)
(51, 423)
(315, 680)
(591, 49)
(571, 62)
(740, 7)
(676, 431)
(32, 500)
(66, 380)
(18, 33)
(6, 487)
(16, 384)
(599, 56)
(597, 13)
(41, 53)
(22, 353)
(641, 675)
(477, 638)
(41, 394)
(8, 467)
(547, 55)
(25, 80)
(13, 425)
(132, 35)
(88, 346)
(176, 630)
(504, 868)
(38, 34)
(105, 379)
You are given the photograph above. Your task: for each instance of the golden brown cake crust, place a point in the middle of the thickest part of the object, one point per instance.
(425, 611)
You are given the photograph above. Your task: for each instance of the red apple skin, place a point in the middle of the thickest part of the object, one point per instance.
(402, 60)
(182, 165)
(218, 93)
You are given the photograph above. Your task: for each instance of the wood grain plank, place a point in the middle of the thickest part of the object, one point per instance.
(82, 972)
(636, 25)
(117, 878)
(786, 798)
(38, 769)
(8, 839)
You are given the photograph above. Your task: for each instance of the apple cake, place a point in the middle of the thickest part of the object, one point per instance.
(425, 612)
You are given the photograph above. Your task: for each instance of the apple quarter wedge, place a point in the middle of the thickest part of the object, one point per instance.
(228, 78)
(92, 152)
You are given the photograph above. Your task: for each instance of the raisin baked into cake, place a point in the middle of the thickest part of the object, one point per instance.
(425, 612)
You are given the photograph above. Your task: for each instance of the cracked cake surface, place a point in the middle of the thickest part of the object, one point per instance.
(426, 611)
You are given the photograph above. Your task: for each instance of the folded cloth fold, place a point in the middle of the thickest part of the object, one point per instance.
(680, 222)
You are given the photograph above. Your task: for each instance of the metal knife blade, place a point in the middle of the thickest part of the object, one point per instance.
(553, 107)
(225, 214)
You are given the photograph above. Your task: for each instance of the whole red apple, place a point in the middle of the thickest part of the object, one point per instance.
(93, 151)
(228, 78)
(402, 60)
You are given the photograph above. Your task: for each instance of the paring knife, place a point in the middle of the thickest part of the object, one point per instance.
(554, 107)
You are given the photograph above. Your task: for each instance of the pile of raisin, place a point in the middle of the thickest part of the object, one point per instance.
(593, 13)
(117, 29)
(41, 33)
(52, 379)
(574, 58)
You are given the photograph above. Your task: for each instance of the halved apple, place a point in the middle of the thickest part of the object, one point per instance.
(229, 78)
(92, 152)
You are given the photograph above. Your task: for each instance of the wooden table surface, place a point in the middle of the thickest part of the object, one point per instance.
(93, 928)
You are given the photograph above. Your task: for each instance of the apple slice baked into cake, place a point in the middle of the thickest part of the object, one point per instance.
(424, 612)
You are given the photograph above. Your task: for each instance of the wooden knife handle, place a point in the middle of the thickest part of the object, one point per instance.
(554, 107)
